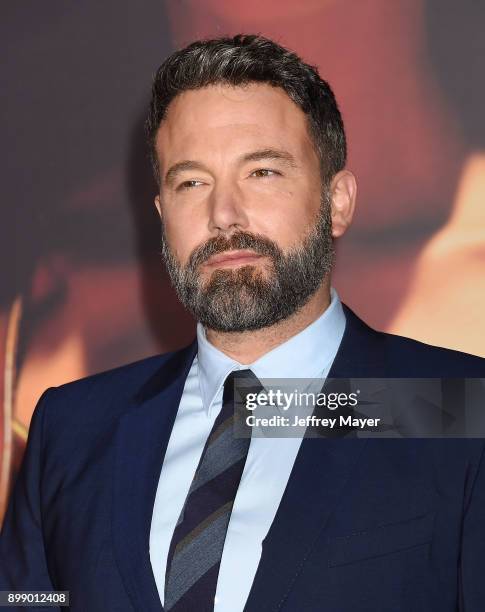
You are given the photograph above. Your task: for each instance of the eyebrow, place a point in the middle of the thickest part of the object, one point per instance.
(179, 167)
(259, 155)
(276, 154)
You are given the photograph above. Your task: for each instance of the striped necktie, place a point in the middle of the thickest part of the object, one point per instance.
(196, 548)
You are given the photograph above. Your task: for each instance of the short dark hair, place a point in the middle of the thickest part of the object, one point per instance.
(243, 59)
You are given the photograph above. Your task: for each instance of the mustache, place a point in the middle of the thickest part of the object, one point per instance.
(238, 240)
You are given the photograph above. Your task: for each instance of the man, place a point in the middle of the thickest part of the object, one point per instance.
(135, 492)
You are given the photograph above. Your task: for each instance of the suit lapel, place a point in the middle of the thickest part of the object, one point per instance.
(322, 468)
(142, 439)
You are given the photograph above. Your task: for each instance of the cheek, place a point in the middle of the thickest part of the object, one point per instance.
(287, 223)
(285, 206)
(183, 234)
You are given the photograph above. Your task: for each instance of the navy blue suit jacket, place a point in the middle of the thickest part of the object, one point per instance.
(377, 525)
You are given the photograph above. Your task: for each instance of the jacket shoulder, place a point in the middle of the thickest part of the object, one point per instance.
(107, 394)
(399, 357)
(419, 359)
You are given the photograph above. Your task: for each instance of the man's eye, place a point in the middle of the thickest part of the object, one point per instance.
(189, 184)
(263, 172)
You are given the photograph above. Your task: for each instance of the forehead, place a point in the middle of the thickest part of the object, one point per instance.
(221, 118)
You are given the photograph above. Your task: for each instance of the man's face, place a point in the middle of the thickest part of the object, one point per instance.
(246, 222)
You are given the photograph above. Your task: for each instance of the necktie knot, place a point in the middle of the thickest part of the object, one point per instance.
(238, 384)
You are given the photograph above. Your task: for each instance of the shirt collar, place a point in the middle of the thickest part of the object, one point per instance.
(315, 346)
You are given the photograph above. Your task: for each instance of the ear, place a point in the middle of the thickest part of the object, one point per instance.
(158, 205)
(343, 191)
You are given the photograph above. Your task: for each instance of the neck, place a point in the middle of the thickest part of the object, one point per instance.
(245, 347)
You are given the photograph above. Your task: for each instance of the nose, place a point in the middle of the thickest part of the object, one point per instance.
(227, 209)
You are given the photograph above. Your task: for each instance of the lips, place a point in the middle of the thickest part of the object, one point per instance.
(232, 258)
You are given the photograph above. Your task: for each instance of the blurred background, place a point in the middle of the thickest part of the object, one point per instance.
(82, 285)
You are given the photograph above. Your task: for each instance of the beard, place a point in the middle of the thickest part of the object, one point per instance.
(245, 298)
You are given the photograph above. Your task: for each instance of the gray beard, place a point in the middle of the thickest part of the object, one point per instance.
(244, 299)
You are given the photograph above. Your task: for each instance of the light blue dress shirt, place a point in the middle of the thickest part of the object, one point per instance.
(308, 354)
